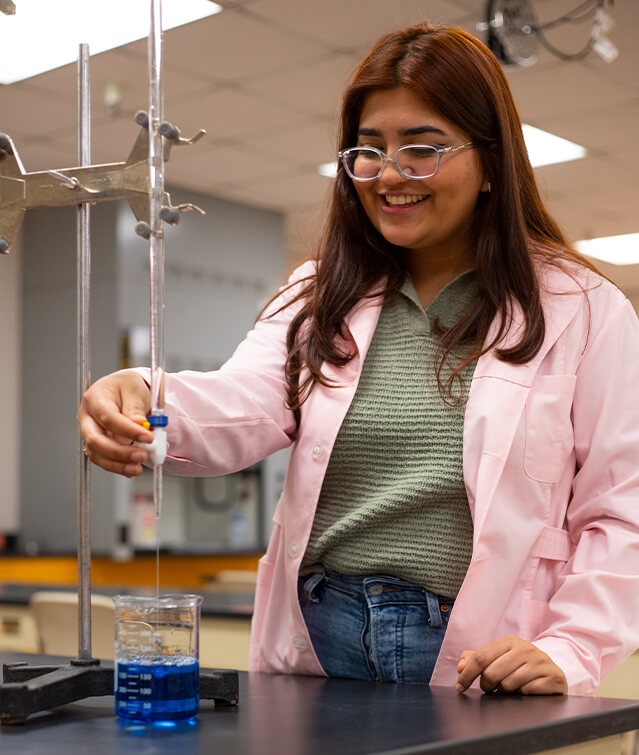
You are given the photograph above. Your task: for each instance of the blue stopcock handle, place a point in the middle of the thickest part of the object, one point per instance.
(157, 420)
(158, 449)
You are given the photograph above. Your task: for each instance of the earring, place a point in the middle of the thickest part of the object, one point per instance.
(490, 188)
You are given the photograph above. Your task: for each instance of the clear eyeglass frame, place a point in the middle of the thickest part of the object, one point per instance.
(385, 158)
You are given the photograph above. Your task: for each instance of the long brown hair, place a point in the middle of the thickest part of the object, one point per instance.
(461, 78)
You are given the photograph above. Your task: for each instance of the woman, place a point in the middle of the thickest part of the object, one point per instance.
(461, 501)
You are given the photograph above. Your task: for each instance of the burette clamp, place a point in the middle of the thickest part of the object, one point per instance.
(158, 448)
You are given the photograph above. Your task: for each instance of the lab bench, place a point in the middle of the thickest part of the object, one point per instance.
(296, 715)
(224, 630)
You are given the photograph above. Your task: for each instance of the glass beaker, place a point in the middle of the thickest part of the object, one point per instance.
(157, 670)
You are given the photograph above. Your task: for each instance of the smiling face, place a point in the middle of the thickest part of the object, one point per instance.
(429, 217)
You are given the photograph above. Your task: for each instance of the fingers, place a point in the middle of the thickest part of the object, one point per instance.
(104, 413)
(511, 664)
(473, 664)
(547, 685)
(112, 455)
(118, 403)
(533, 680)
(463, 658)
(109, 416)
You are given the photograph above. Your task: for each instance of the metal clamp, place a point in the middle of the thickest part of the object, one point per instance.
(143, 229)
(71, 182)
(168, 130)
(172, 133)
(171, 215)
(6, 148)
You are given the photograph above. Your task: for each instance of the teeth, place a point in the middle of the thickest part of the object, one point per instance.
(397, 199)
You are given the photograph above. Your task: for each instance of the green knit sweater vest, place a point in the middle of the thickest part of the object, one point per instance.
(393, 499)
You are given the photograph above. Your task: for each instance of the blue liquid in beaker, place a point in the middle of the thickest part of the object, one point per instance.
(166, 689)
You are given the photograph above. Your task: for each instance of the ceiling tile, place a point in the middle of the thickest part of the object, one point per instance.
(307, 146)
(31, 112)
(230, 113)
(627, 158)
(51, 155)
(591, 219)
(291, 193)
(330, 77)
(225, 166)
(562, 88)
(605, 211)
(624, 70)
(602, 129)
(111, 139)
(115, 68)
(352, 24)
(232, 46)
(477, 6)
(580, 176)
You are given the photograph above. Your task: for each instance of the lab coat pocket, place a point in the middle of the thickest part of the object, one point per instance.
(549, 431)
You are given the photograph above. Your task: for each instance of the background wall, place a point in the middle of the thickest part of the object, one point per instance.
(220, 269)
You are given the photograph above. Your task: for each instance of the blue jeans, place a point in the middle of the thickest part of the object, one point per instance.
(374, 627)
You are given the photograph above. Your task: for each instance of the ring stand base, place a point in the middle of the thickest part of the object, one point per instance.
(30, 689)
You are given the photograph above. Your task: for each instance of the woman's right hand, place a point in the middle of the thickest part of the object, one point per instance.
(110, 418)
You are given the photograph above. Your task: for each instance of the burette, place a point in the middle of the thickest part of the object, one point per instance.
(162, 136)
(157, 419)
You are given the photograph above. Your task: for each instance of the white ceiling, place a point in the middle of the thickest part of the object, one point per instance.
(264, 79)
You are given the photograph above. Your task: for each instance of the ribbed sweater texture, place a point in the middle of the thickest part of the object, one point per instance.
(393, 499)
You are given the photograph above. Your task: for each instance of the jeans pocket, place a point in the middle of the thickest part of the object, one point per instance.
(308, 588)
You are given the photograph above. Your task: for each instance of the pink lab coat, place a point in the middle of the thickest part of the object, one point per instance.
(551, 467)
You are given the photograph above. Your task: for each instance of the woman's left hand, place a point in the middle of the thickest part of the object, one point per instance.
(511, 664)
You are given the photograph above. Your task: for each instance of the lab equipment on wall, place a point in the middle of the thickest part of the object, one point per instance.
(514, 32)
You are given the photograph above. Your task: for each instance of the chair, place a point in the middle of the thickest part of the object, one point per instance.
(56, 619)
(232, 580)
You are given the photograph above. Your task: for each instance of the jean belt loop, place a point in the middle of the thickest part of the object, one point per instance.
(311, 583)
(434, 613)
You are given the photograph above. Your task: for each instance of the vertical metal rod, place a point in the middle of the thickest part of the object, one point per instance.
(84, 356)
(156, 250)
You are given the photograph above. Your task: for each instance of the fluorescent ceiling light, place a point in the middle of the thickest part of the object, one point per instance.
(543, 148)
(328, 169)
(547, 149)
(618, 250)
(45, 34)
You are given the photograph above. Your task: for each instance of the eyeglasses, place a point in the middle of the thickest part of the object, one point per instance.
(412, 161)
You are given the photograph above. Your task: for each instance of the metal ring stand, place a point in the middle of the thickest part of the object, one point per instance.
(29, 689)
